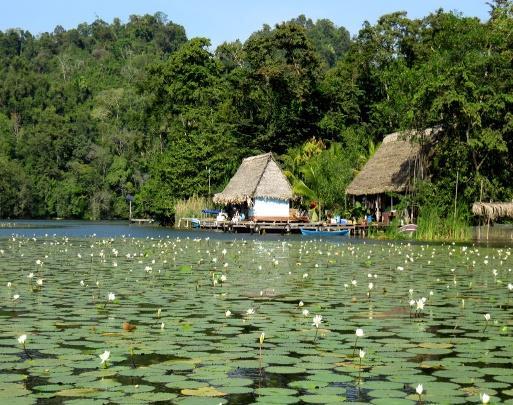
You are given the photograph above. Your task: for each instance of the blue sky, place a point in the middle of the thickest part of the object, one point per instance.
(220, 20)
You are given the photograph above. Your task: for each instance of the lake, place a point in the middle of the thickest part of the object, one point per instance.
(179, 317)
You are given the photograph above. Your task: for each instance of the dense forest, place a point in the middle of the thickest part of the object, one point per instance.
(91, 115)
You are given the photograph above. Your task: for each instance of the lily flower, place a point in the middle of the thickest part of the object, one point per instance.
(359, 333)
(228, 313)
(104, 357)
(21, 340)
(317, 320)
(485, 398)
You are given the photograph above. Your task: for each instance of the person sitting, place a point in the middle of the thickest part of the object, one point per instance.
(221, 217)
(236, 217)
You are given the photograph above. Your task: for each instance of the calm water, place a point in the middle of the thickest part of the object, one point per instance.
(176, 289)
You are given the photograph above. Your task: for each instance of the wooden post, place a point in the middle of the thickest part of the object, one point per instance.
(480, 199)
(456, 194)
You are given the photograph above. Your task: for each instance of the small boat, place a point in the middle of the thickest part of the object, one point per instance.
(338, 232)
(410, 228)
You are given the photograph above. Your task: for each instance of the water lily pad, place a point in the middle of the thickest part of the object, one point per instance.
(203, 392)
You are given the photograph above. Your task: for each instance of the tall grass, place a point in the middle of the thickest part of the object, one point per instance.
(191, 208)
(432, 225)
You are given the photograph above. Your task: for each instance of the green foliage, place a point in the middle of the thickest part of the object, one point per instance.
(95, 113)
(191, 207)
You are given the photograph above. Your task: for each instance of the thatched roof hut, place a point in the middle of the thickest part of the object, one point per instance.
(492, 211)
(257, 176)
(393, 166)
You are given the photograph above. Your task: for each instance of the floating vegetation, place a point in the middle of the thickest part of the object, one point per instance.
(203, 321)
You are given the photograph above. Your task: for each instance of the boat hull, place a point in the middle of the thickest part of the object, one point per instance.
(311, 232)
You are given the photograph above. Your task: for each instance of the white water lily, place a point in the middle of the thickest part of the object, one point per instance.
(22, 339)
(39, 262)
(30, 275)
(305, 275)
(228, 313)
(223, 278)
(104, 356)
(420, 389)
(15, 297)
(354, 282)
(301, 303)
(82, 283)
(159, 312)
(305, 312)
(412, 303)
(485, 398)
(39, 282)
(162, 325)
(111, 296)
(359, 332)
(487, 317)
(9, 284)
(371, 286)
(250, 311)
(262, 337)
(361, 354)
(510, 286)
(410, 291)
(317, 320)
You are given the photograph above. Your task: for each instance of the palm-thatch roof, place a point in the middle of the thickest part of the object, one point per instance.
(492, 211)
(257, 176)
(393, 165)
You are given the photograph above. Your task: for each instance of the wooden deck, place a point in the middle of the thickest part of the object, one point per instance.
(140, 221)
(280, 227)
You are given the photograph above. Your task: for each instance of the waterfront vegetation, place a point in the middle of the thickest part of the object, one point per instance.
(205, 321)
(93, 114)
(191, 207)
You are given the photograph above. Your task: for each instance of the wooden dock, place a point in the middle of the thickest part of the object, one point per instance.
(140, 221)
(279, 227)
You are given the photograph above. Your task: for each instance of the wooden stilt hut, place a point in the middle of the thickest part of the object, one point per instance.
(259, 189)
(393, 169)
(491, 212)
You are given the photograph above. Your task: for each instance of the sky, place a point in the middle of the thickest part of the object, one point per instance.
(221, 20)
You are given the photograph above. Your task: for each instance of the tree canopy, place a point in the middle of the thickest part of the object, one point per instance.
(93, 114)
